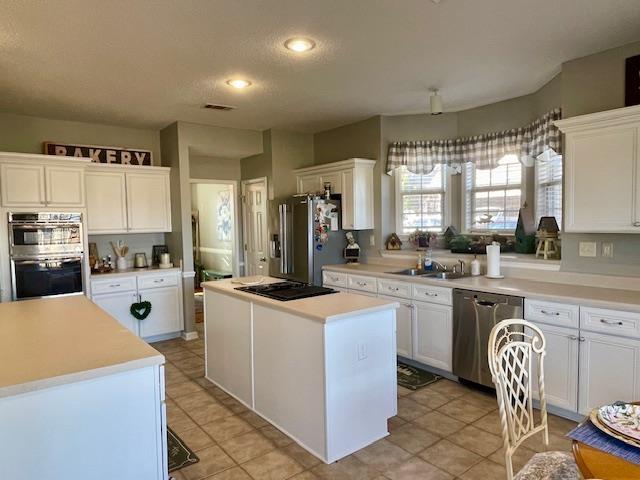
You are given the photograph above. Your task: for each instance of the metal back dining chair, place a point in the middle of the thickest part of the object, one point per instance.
(514, 346)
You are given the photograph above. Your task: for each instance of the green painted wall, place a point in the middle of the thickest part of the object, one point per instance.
(214, 168)
(592, 84)
(22, 133)
(596, 82)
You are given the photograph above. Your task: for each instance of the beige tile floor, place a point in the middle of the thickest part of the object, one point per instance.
(443, 431)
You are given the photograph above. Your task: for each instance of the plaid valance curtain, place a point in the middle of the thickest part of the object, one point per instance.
(485, 151)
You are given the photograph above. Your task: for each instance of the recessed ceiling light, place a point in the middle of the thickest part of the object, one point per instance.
(239, 83)
(299, 44)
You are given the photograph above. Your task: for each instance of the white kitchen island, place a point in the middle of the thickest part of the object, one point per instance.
(80, 396)
(321, 369)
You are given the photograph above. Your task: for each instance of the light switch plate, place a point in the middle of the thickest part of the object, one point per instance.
(588, 249)
(607, 249)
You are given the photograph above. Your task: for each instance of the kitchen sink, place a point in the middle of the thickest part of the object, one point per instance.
(411, 272)
(414, 272)
(445, 275)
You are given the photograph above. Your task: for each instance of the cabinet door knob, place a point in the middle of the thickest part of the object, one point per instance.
(636, 224)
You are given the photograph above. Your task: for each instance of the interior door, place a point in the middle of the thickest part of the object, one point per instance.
(255, 228)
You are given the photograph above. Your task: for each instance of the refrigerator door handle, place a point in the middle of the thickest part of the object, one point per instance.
(283, 248)
(284, 236)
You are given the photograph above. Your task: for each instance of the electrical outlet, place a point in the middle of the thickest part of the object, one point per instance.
(362, 350)
(607, 249)
(372, 240)
(588, 249)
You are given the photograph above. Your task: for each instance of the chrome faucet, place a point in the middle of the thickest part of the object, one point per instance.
(462, 266)
(439, 266)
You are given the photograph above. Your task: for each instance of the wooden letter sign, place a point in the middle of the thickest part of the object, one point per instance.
(124, 156)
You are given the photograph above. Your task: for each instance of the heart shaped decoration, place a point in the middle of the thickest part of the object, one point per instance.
(140, 310)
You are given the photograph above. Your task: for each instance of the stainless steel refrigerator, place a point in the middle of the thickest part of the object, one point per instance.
(298, 250)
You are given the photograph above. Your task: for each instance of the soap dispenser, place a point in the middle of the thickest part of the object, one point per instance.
(475, 266)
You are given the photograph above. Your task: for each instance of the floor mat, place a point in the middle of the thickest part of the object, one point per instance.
(414, 378)
(178, 453)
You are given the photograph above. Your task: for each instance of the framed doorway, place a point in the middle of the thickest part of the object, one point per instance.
(255, 226)
(215, 227)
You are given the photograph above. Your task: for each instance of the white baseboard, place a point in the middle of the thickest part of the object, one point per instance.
(189, 336)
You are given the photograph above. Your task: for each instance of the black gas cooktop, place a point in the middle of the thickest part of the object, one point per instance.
(285, 291)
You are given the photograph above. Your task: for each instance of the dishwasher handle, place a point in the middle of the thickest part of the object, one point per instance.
(485, 303)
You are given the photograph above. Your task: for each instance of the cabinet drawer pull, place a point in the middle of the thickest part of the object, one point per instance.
(335, 279)
(636, 224)
(610, 322)
(551, 314)
(393, 289)
(160, 280)
(114, 285)
(362, 284)
(573, 337)
(430, 294)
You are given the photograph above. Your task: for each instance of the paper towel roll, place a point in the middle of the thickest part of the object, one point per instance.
(493, 260)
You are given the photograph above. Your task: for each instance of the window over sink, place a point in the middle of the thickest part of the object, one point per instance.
(549, 188)
(421, 201)
(493, 197)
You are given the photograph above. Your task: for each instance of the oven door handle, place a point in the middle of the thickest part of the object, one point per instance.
(40, 226)
(44, 260)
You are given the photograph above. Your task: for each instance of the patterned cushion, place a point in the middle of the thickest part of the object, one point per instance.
(550, 466)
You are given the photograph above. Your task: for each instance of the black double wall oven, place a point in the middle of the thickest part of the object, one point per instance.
(46, 251)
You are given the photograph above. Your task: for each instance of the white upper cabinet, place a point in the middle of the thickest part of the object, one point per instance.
(106, 202)
(353, 179)
(128, 199)
(309, 183)
(148, 202)
(37, 181)
(64, 186)
(602, 171)
(22, 185)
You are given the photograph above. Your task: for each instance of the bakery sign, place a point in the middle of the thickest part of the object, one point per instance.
(118, 155)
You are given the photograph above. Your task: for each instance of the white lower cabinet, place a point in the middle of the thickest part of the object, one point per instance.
(609, 370)
(116, 294)
(117, 305)
(404, 320)
(432, 335)
(165, 311)
(424, 330)
(229, 338)
(560, 367)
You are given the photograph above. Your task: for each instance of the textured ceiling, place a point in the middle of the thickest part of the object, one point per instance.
(149, 63)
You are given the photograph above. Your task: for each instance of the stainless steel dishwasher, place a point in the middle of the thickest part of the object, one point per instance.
(474, 315)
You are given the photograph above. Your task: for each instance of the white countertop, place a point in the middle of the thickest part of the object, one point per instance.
(133, 271)
(323, 308)
(590, 296)
(56, 341)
